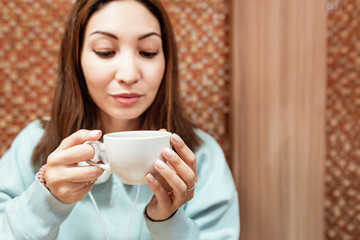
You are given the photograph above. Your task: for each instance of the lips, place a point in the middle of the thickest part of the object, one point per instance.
(127, 98)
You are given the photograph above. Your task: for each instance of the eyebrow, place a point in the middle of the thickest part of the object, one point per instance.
(149, 35)
(115, 37)
(105, 33)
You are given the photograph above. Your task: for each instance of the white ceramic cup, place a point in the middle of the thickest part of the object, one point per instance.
(130, 155)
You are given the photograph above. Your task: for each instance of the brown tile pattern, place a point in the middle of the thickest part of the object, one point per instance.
(342, 173)
(29, 42)
(202, 30)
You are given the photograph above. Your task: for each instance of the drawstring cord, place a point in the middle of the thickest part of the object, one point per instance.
(99, 216)
(133, 211)
(131, 217)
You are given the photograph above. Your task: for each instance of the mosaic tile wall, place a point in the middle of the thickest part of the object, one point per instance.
(29, 42)
(30, 32)
(342, 173)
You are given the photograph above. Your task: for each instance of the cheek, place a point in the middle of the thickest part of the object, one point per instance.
(95, 76)
(157, 74)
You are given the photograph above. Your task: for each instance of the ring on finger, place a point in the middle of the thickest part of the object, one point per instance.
(193, 188)
(90, 182)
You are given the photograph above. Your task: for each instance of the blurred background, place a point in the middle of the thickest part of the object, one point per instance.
(276, 82)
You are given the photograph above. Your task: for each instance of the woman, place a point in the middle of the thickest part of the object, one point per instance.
(118, 72)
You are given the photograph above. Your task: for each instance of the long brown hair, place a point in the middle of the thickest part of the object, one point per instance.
(72, 107)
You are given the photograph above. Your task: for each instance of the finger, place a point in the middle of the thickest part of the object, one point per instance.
(75, 192)
(80, 137)
(185, 172)
(82, 192)
(91, 182)
(63, 176)
(162, 130)
(184, 151)
(71, 155)
(159, 191)
(83, 174)
(176, 183)
(162, 181)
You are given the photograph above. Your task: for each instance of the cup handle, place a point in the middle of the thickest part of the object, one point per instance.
(99, 148)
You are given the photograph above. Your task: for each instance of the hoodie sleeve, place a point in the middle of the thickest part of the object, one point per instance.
(213, 213)
(27, 209)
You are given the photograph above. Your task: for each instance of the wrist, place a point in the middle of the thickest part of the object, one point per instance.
(153, 220)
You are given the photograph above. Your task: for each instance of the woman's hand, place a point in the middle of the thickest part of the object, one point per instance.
(65, 180)
(176, 185)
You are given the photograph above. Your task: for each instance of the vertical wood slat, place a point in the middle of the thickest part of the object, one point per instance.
(278, 122)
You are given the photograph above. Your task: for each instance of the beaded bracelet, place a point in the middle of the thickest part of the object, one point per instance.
(41, 175)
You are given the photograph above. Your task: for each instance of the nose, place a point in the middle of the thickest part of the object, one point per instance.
(128, 70)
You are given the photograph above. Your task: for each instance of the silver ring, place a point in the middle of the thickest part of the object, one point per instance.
(193, 188)
(90, 182)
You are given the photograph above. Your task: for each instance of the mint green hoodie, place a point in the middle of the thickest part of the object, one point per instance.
(29, 211)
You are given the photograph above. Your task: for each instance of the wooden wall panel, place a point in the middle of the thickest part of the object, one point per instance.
(278, 103)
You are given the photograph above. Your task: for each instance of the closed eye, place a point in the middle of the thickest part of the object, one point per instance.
(104, 54)
(148, 54)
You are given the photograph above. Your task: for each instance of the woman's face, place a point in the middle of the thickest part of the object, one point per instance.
(123, 60)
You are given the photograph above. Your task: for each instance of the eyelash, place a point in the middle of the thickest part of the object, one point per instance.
(108, 54)
(148, 54)
(105, 54)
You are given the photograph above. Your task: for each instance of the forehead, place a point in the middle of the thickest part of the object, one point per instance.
(123, 17)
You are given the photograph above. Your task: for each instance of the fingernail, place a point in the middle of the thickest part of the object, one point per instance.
(176, 138)
(94, 132)
(160, 164)
(150, 177)
(168, 152)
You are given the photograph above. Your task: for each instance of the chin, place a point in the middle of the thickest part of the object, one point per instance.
(125, 115)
